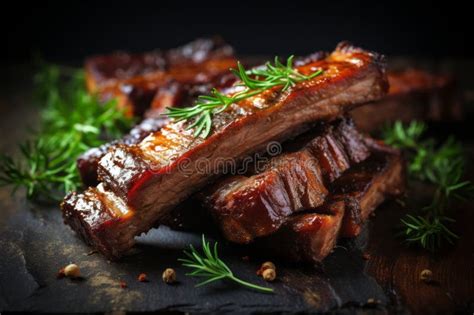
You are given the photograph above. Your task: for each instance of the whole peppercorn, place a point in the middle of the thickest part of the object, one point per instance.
(269, 265)
(266, 265)
(269, 274)
(72, 271)
(169, 276)
(426, 276)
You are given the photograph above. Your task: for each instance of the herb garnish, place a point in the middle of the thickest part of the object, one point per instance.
(255, 82)
(72, 121)
(209, 265)
(441, 165)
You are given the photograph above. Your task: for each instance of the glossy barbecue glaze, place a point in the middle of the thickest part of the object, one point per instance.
(249, 207)
(413, 95)
(312, 235)
(308, 237)
(173, 94)
(134, 79)
(88, 162)
(365, 186)
(157, 174)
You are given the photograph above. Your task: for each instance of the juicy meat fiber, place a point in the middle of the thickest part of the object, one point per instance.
(171, 94)
(134, 79)
(413, 95)
(366, 186)
(161, 171)
(312, 235)
(248, 207)
(88, 162)
(307, 237)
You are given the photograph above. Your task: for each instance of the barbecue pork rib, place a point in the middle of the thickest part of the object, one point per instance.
(134, 79)
(413, 95)
(155, 175)
(312, 235)
(248, 207)
(88, 162)
(172, 94)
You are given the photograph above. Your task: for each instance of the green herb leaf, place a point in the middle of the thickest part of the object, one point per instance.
(441, 165)
(255, 82)
(72, 121)
(428, 232)
(208, 265)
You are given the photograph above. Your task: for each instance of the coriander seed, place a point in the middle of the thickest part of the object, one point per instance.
(169, 276)
(269, 274)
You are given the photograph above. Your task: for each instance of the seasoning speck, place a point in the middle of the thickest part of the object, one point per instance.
(169, 276)
(269, 274)
(266, 265)
(72, 271)
(426, 276)
(143, 277)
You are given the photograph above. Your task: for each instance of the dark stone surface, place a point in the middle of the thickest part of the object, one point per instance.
(35, 244)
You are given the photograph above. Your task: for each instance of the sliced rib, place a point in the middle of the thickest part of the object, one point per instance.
(248, 207)
(134, 79)
(154, 176)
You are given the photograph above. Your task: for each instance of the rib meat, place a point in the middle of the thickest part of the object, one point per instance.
(88, 162)
(249, 207)
(365, 186)
(307, 237)
(155, 175)
(312, 235)
(413, 95)
(134, 79)
(173, 93)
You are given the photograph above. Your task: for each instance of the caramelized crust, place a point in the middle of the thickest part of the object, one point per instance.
(365, 186)
(155, 175)
(248, 207)
(311, 236)
(413, 95)
(308, 237)
(134, 79)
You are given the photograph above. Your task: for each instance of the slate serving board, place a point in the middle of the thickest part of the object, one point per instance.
(372, 274)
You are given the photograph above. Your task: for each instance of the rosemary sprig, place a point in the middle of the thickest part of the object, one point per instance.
(441, 165)
(429, 232)
(209, 265)
(254, 81)
(72, 121)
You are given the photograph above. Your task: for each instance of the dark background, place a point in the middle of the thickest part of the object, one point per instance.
(71, 30)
